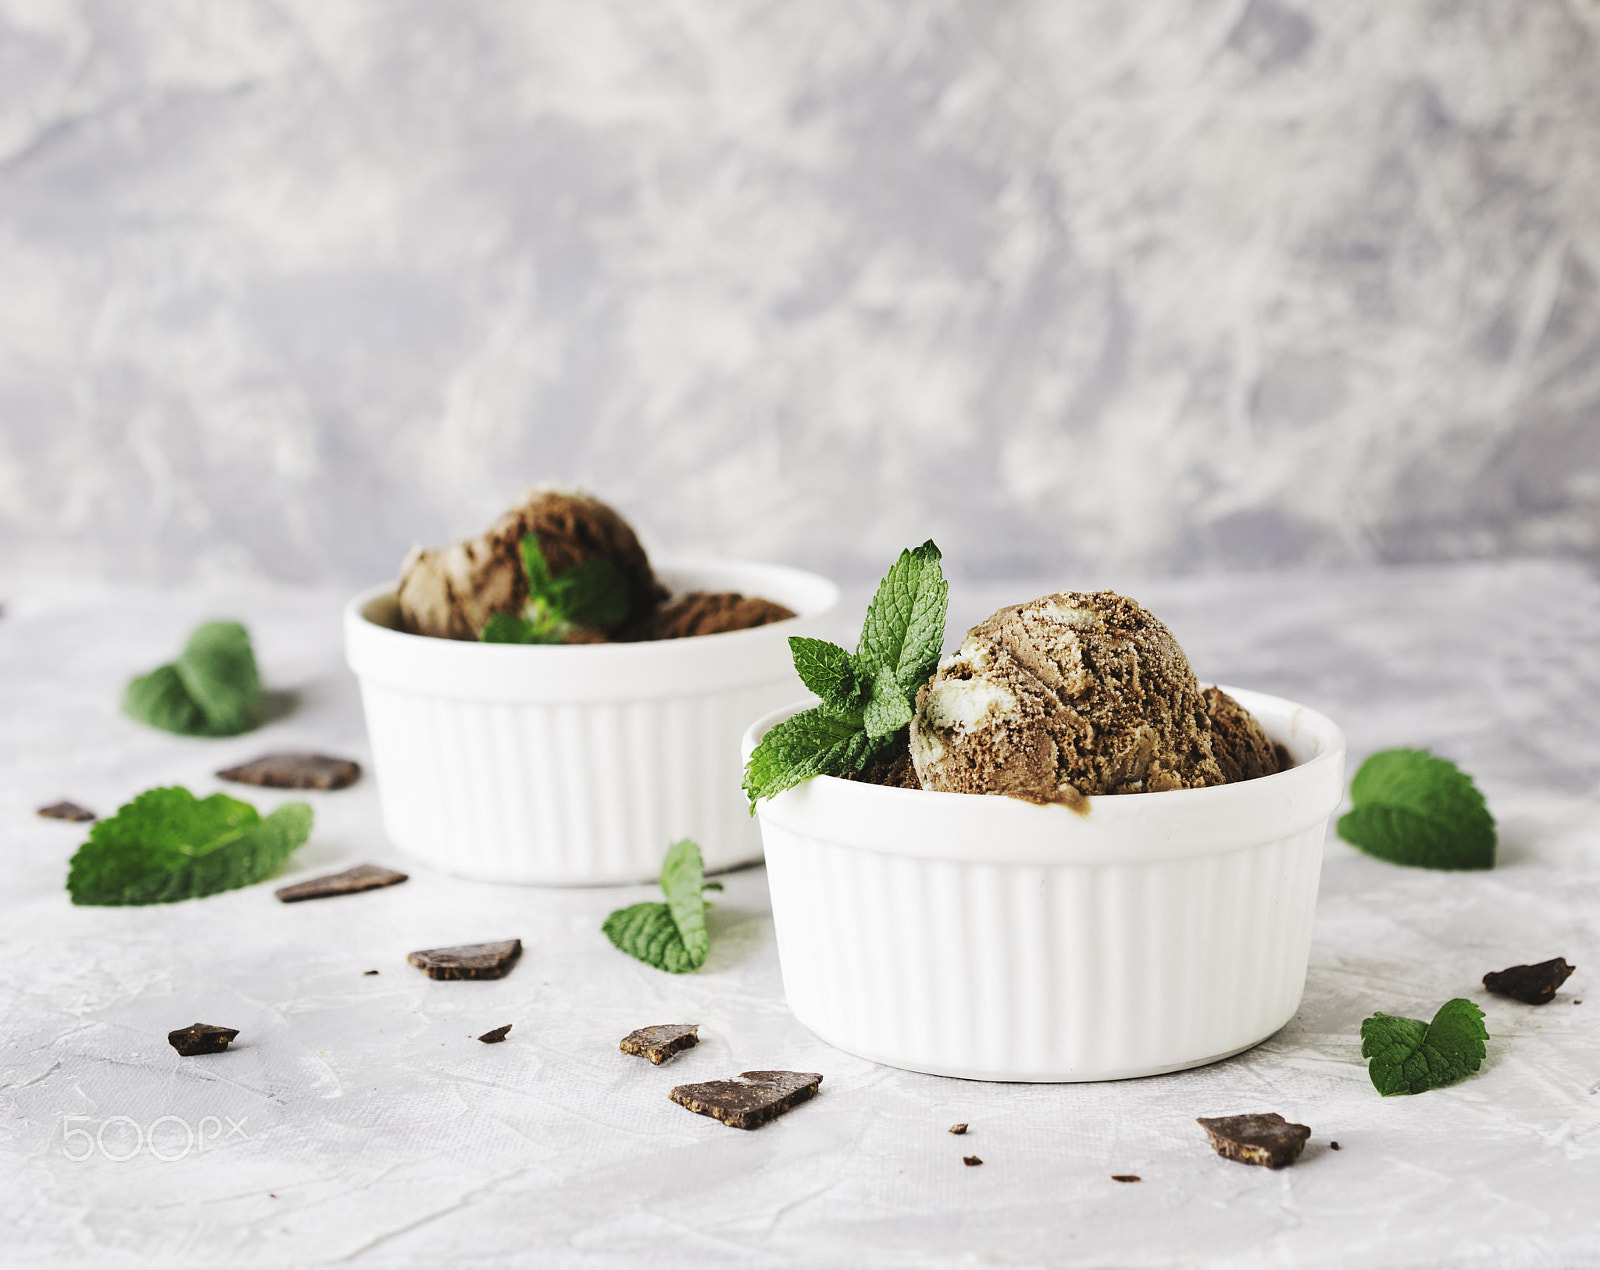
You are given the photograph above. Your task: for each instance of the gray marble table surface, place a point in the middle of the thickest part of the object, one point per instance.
(363, 1124)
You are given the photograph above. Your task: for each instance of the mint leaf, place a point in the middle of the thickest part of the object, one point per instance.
(168, 845)
(508, 628)
(1409, 1056)
(868, 696)
(828, 671)
(891, 707)
(212, 689)
(670, 936)
(812, 743)
(1414, 808)
(591, 593)
(904, 628)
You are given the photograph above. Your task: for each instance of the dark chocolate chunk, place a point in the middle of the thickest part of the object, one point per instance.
(1532, 985)
(369, 972)
(1126, 1177)
(295, 771)
(970, 1160)
(751, 1100)
(201, 1038)
(364, 877)
(959, 1128)
(66, 811)
(661, 1041)
(468, 961)
(1265, 1138)
(495, 1035)
(1333, 1146)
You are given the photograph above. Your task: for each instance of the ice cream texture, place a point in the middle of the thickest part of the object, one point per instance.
(1072, 695)
(453, 591)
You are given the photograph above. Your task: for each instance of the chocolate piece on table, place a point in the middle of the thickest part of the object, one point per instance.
(661, 1041)
(959, 1128)
(751, 1100)
(201, 1038)
(364, 877)
(1333, 1146)
(66, 811)
(495, 1035)
(468, 961)
(1126, 1177)
(295, 771)
(1532, 985)
(1265, 1138)
(970, 1160)
(369, 972)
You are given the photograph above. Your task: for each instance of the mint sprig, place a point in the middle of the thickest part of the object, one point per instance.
(591, 593)
(212, 689)
(1414, 808)
(1408, 1056)
(869, 696)
(168, 845)
(670, 936)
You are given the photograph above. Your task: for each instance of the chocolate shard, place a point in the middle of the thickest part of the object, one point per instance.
(364, 877)
(1532, 985)
(468, 961)
(295, 771)
(495, 1035)
(751, 1100)
(201, 1038)
(661, 1041)
(66, 811)
(1265, 1138)
(1126, 1177)
(971, 1161)
(959, 1129)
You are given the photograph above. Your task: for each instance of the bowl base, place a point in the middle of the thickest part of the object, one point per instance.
(1046, 1078)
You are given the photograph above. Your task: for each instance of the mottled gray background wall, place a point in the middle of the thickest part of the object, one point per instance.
(1156, 285)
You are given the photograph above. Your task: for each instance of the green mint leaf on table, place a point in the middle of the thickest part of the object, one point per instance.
(212, 689)
(591, 593)
(670, 936)
(1414, 808)
(1408, 1056)
(867, 696)
(168, 845)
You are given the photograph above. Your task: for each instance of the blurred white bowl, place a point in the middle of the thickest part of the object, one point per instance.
(985, 937)
(576, 764)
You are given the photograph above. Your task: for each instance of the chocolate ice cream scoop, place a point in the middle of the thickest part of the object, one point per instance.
(1242, 748)
(712, 613)
(1063, 697)
(453, 591)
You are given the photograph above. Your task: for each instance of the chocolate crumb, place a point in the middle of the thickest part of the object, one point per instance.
(1126, 1177)
(364, 877)
(201, 1038)
(1333, 1146)
(959, 1129)
(661, 1041)
(468, 961)
(971, 1160)
(1532, 985)
(369, 972)
(66, 811)
(751, 1100)
(495, 1035)
(1264, 1138)
(295, 771)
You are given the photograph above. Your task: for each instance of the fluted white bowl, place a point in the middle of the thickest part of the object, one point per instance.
(985, 937)
(579, 764)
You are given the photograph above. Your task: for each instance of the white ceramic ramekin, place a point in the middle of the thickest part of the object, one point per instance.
(984, 937)
(576, 765)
